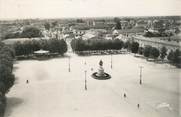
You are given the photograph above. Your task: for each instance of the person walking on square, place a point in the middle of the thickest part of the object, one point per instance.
(124, 95)
(138, 105)
(27, 81)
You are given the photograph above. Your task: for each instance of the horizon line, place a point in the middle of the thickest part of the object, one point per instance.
(85, 17)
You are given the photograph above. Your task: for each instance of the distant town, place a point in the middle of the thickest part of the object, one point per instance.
(155, 31)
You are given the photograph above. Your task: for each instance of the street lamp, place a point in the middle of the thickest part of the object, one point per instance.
(141, 67)
(111, 61)
(69, 65)
(85, 79)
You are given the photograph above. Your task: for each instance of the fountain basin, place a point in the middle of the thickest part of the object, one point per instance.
(105, 76)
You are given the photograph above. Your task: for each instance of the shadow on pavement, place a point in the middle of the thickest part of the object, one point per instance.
(12, 103)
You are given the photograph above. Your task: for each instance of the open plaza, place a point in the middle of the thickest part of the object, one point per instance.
(63, 87)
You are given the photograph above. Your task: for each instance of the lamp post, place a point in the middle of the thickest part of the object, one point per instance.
(111, 61)
(69, 65)
(85, 79)
(141, 67)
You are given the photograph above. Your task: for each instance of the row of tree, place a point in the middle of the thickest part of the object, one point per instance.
(147, 51)
(6, 66)
(96, 44)
(6, 76)
(153, 52)
(174, 56)
(52, 45)
(158, 34)
(27, 32)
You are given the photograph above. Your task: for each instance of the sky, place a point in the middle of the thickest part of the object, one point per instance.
(20, 9)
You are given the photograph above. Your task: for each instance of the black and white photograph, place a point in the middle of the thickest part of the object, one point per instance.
(90, 58)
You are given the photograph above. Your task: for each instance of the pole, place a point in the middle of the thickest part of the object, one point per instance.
(69, 65)
(85, 80)
(111, 61)
(141, 67)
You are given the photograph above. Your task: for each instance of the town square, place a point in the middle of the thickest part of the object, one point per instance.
(90, 58)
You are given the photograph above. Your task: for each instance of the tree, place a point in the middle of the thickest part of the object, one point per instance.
(159, 25)
(118, 24)
(79, 21)
(2, 88)
(57, 46)
(6, 77)
(154, 53)
(63, 46)
(163, 52)
(147, 51)
(8, 51)
(170, 56)
(127, 45)
(31, 32)
(96, 44)
(18, 47)
(140, 50)
(54, 24)
(11, 35)
(177, 56)
(177, 30)
(6, 60)
(6, 65)
(47, 26)
(134, 47)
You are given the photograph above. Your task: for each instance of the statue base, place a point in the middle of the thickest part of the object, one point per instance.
(100, 71)
(105, 76)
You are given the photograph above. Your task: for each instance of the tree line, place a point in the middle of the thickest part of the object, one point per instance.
(148, 51)
(173, 56)
(7, 78)
(96, 44)
(52, 45)
(27, 32)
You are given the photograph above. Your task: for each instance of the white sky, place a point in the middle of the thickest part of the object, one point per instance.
(86, 8)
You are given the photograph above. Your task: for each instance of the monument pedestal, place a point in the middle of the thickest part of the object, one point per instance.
(100, 71)
(100, 74)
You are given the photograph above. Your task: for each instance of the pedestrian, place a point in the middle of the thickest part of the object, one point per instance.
(27, 81)
(138, 105)
(124, 95)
